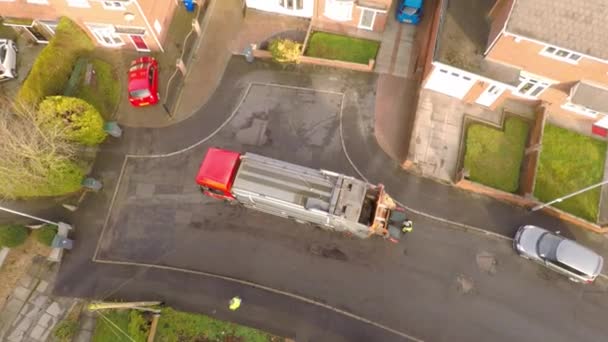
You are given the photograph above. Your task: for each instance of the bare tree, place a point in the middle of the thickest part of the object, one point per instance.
(33, 153)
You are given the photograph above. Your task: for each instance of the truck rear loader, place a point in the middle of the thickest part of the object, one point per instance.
(321, 198)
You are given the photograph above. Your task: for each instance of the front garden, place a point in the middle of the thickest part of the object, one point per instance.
(493, 157)
(570, 162)
(343, 48)
(46, 133)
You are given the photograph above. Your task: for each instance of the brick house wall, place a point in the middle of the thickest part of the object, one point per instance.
(563, 75)
(498, 16)
(97, 14)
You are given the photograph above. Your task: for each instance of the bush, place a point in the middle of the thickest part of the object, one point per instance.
(45, 234)
(12, 235)
(62, 177)
(83, 122)
(53, 66)
(66, 330)
(285, 51)
(138, 326)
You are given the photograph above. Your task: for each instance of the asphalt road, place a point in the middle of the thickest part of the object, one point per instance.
(440, 284)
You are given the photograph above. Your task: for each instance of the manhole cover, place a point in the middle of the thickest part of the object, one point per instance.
(486, 262)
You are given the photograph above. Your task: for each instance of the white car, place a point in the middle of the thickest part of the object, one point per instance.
(556, 252)
(8, 60)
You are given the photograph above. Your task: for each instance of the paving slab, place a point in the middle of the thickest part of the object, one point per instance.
(55, 310)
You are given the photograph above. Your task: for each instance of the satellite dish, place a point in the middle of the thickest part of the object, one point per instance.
(129, 17)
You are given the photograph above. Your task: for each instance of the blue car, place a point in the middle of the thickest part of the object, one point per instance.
(409, 11)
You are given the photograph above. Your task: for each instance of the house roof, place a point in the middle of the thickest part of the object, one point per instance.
(591, 96)
(574, 25)
(463, 37)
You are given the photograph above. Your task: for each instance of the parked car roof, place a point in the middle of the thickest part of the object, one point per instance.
(578, 257)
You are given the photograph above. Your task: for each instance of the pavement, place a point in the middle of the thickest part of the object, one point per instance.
(32, 311)
(163, 241)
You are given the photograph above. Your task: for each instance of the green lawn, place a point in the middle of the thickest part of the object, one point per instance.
(175, 326)
(570, 162)
(333, 46)
(494, 157)
(106, 331)
(104, 92)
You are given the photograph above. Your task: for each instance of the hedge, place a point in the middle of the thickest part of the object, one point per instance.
(84, 123)
(45, 234)
(12, 235)
(52, 68)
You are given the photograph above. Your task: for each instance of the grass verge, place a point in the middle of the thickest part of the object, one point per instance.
(174, 326)
(569, 162)
(343, 48)
(494, 157)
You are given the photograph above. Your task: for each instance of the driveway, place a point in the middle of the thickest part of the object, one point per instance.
(162, 240)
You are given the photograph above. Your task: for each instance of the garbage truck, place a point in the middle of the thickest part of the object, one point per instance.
(321, 198)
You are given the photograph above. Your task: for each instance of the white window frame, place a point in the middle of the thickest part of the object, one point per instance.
(363, 9)
(337, 10)
(79, 3)
(99, 30)
(38, 2)
(578, 109)
(50, 25)
(114, 5)
(538, 86)
(560, 54)
(296, 5)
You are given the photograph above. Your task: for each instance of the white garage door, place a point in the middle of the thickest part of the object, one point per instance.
(449, 82)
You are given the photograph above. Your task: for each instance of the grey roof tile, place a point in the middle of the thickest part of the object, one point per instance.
(574, 25)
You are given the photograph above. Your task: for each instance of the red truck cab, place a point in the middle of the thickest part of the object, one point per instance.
(217, 172)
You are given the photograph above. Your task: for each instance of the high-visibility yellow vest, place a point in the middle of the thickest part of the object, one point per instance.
(235, 303)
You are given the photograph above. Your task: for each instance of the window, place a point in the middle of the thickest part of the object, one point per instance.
(339, 10)
(115, 5)
(151, 76)
(292, 4)
(106, 35)
(368, 17)
(561, 54)
(50, 25)
(580, 109)
(530, 87)
(79, 3)
(568, 268)
(38, 2)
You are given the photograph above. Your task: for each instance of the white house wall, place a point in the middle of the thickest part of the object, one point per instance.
(273, 6)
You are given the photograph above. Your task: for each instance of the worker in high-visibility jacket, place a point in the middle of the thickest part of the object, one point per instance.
(408, 226)
(235, 303)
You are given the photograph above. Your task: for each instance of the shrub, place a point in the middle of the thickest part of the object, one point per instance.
(285, 51)
(45, 234)
(138, 326)
(53, 66)
(83, 122)
(66, 330)
(12, 235)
